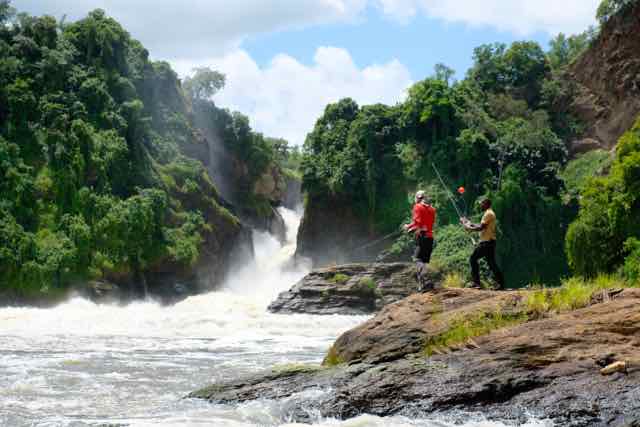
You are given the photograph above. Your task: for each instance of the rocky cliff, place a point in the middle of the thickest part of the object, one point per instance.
(254, 197)
(607, 77)
(332, 233)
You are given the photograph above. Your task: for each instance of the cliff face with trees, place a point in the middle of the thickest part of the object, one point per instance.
(100, 162)
(490, 133)
(510, 130)
(605, 79)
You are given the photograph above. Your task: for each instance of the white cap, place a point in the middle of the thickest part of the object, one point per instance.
(420, 195)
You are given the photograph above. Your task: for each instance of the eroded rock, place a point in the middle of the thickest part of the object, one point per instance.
(351, 289)
(404, 327)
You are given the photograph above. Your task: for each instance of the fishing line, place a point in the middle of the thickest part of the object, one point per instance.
(455, 206)
(375, 242)
(447, 191)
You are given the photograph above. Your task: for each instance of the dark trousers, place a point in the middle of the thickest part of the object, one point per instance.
(424, 247)
(486, 250)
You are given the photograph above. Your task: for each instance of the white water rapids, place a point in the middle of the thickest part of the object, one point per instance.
(82, 364)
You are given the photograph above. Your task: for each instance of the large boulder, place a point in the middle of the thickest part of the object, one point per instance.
(548, 368)
(404, 327)
(351, 289)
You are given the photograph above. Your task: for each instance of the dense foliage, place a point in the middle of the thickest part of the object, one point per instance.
(605, 236)
(93, 142)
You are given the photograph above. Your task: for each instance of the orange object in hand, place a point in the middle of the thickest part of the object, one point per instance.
(461, 190)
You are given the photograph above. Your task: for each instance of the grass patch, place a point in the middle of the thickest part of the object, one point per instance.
(575, 293)
(339, 278)
(453, 280)
(367, 282)
(463, 329)
(332, 358)
(367, 286)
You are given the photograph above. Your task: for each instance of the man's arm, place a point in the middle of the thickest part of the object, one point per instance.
(413, 225)
(472, 227)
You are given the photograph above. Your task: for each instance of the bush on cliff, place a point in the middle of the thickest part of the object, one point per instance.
(609, 215)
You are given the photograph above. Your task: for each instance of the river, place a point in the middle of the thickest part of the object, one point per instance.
(82, 364)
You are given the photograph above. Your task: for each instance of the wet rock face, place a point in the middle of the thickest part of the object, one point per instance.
(608, 80)
(351, 289)
(272, 185)
(548, 368)
(332, 233)
(293, 196)
(100, 291)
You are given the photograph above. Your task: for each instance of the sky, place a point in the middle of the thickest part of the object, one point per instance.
(285, 60)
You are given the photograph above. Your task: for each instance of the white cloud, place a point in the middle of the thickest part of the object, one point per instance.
(522, 17)
(285, 98)
(197, 28)
(208, 28)
(401, 10)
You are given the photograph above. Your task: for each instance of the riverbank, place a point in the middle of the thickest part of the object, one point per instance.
(508, 355)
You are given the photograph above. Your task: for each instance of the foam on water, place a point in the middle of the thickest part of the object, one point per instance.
(84, 364)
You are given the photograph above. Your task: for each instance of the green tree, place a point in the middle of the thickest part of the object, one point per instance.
(444, 73)
(100, 41)
(518, 70)
(609, 8)
(204, 84)
(564, 50)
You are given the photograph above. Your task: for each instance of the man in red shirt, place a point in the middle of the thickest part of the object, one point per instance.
(424, 217)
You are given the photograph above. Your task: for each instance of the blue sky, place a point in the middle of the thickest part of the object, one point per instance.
(419, 45)
(286, 59)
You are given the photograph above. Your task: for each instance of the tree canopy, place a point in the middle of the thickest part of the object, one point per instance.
(204, 83)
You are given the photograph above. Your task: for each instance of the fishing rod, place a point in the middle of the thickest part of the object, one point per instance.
(397, 233)
(444, 186)
(453, 202)
(501, 162)
(375, 242)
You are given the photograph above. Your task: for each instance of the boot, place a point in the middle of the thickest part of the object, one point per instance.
(424, 285)
(473, 285)
(419, 267)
